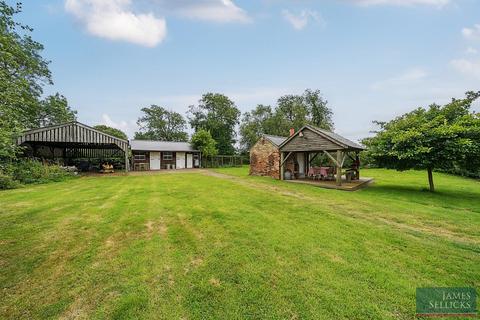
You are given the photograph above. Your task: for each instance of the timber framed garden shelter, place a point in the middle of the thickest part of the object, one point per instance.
(73, 140)
(308, 142)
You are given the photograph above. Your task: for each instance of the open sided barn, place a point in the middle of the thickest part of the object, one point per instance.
(292, 158)
(67, 142)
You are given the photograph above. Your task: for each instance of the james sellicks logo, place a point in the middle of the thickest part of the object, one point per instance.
(446, 302)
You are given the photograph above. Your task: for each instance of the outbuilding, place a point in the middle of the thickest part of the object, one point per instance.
(66, 142)
(291, 157)
(161, 155)
(265, 156)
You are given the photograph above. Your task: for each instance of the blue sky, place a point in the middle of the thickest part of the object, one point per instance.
(372, 59)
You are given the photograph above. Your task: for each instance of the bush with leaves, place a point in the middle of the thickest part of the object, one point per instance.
(28, 171)
(203, 141)
(7, 182)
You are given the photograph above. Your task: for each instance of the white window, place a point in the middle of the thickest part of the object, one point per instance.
(139, 157)
(168, 156)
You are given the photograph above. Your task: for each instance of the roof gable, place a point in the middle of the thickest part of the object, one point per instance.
(276, 140)
(316, 139)
(71, 132)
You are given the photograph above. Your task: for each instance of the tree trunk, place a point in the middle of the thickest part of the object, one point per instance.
(430, 180)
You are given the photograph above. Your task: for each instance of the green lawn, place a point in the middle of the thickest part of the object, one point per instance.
(223, 245)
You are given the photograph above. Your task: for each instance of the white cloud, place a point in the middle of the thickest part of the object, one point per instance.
(128, 127)
(211, 10)
(434, 3)
(467, 67)
(114, 20)
(472, 33)
(410, 76)
(471, 50)
(300, 20)
(118, 19)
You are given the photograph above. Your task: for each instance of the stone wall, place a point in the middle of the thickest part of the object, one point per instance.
(265, 159)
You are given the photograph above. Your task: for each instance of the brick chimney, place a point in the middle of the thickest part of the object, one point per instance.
(292, 131)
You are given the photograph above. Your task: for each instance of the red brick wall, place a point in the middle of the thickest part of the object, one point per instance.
(265, 159)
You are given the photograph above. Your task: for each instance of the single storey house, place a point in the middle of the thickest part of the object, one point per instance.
(291, 157)
(159, 155)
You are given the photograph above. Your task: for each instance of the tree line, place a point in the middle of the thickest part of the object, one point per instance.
(218, 115)
(445, 138)
(23, 75)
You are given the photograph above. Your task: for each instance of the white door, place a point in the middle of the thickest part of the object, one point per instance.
(196, 160)
(155, 160)
(189, 160)
(180, 160)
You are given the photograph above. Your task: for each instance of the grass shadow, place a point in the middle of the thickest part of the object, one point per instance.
(448, 198)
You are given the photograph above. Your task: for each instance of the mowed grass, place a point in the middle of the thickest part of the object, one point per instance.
(223, 245)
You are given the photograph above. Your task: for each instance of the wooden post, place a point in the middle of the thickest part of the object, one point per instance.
(358, 169)
(339, 168)
(281, 165)
(126, 161)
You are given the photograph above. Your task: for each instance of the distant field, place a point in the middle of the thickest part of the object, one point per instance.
(223, 245)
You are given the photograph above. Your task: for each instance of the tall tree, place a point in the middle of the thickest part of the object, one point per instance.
(23, 74)
(217, 114)
(319, 113)
(111, 131)
(255, 123)
(439, 137)
(55, 110)
(292, 111)
(158, 123)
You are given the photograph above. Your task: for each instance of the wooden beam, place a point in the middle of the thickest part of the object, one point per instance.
(288, 155)
(281, 165)
(311, 159)
(127, 162)
(337, 163)
(343, 160)
(339, 167)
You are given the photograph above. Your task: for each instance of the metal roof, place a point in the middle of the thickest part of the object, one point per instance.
(276, 140)
(71, 133)
(149, 145)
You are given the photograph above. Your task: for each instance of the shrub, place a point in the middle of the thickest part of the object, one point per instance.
(6, 182)
(31, 171)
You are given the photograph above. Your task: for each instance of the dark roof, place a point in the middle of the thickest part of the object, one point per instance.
(149, 145)
(276, 140)
(71, 123)
(332, 136)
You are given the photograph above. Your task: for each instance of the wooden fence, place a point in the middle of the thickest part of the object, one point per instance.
(222, 161)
